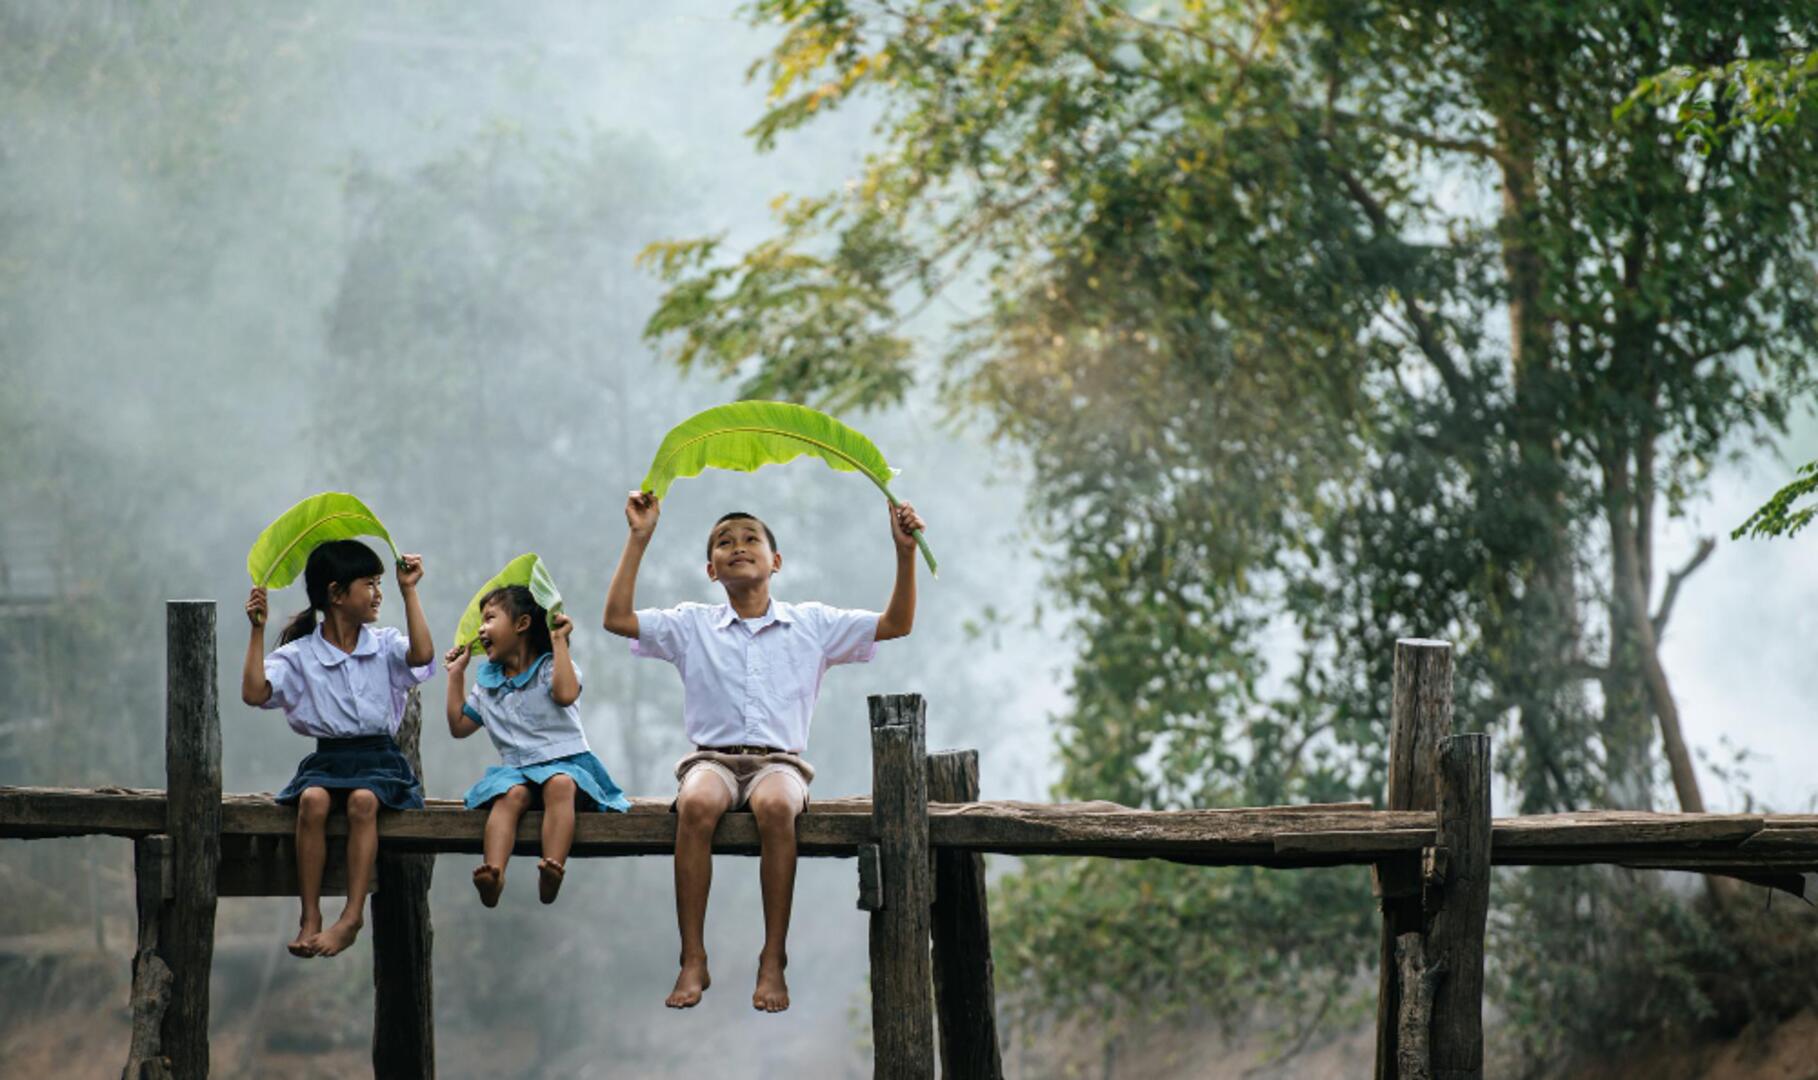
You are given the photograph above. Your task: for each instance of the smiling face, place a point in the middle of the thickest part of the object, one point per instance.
(740, 552)
(499, 631)
(359, 598)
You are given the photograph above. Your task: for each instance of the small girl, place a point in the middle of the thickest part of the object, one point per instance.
(524, 698)
(345, 685)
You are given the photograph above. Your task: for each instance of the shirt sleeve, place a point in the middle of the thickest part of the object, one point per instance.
(848, 636)
(286, 680)
(396, 647)
(470, 708)
(546, 677)
(660, 633)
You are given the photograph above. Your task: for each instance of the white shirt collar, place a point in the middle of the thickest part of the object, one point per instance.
(776, 612)
(330, 656)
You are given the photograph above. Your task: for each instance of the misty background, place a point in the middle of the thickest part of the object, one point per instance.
(248, 254)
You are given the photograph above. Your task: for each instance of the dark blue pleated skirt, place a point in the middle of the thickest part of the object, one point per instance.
(373, 762)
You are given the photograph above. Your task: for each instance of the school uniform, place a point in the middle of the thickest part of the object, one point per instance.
(351, 703)
(749, 685)
(536, 738)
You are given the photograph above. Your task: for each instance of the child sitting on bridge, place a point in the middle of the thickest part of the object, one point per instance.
(524, 697)
(346, 686)
(751, 670)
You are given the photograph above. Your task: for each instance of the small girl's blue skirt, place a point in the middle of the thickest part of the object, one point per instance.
(373, 762)
(583, 768)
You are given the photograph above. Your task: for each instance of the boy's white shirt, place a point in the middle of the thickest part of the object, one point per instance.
(754, 682)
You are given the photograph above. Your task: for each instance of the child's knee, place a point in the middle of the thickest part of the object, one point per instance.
(700, 807)
(313, 804)
(559, 787)
(775, 809)
(517, 796)
(362, 805)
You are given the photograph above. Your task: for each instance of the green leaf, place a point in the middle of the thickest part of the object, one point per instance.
(282, 550)
(747, 435)
(528, 570)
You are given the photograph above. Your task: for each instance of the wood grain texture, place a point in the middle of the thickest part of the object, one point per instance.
(403, 939)
(1414, 1021)
(192, 768)
(1455, 938)
(902, 1013)
(965, 1000)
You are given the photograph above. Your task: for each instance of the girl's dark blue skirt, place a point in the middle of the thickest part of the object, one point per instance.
(373, 762)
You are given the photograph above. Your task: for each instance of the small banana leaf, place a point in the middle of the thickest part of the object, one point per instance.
(527, 570)
(282, 550)
(747, 435)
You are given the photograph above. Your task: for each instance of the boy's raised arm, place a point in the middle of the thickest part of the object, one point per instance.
(641, 512)
(899, 617)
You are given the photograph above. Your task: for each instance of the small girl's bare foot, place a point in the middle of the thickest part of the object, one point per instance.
(549, 880)
(307, 927)
(772, 993)
(689, 985)
(331, 941)
(489, 882)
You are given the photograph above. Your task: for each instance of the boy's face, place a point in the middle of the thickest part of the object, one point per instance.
(739, 554)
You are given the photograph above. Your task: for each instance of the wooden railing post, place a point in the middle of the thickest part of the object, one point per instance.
(902, 1016)
(963, 996)
(403, 1001)
(1459, 897)
(145, 1056)
(192, 768)
(1420, 717)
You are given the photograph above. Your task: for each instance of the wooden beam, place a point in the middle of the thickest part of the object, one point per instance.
(964, 997)
(403, 1000)
(192, 768)
(1462, 894)
(145, 1057)
(902, 1015)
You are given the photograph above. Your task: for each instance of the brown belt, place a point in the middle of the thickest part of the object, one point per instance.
(741, 749)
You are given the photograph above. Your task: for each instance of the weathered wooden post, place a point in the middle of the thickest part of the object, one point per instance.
(902, 1016)
(963, 996)
(192, 768)
(1420, 716)
(403, 1005)
(145, 1057)
(1459, 898)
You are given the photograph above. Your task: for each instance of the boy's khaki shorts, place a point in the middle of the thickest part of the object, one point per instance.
(742, 772)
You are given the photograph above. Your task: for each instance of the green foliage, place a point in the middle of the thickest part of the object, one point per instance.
(1717, 102)
(745, 436)
(1778, 516)
(527, 570)
(282, 550)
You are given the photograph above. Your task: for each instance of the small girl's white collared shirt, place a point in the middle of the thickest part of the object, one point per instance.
(754, 682)
(519, 713)
(328, 694)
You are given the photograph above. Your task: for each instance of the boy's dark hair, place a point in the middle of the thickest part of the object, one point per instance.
(738, 515)
(333, 562)
(516, 600)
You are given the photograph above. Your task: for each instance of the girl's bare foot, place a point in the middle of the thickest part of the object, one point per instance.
(489, 882)
(307, 927)
(337, 937)
(549, 880)
(772, 993)
(690, 984)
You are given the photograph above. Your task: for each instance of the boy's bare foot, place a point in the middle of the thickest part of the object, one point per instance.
(307, 927)
(772, 993)
(337, 937)
(549, 880)
(690, 984)
(489, 881)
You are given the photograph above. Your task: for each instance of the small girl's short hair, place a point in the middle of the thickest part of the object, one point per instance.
(740, 515)
(517, 600)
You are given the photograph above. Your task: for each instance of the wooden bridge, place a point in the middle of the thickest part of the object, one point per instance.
(918, 843)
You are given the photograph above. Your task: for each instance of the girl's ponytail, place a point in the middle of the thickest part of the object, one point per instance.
(335, 562)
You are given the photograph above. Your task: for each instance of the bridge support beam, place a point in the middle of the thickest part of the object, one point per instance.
(902, 1013)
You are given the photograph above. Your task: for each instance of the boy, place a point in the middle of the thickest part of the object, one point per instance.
(751, 669)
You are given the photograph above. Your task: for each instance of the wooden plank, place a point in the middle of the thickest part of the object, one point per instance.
(192, 768)
(964, 998)
(1455, 938)
(1420, 718)
(870, 879)
(902, 1015)
(403, 1012)
(145, 1058)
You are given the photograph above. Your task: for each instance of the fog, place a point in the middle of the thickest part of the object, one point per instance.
(251, 253)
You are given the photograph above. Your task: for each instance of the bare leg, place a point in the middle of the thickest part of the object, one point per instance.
(312, 856)
(362, 848)
(558, 836)
(775, 802)
(698, 808)
(501, 833)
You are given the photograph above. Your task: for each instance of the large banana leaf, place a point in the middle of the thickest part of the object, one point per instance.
(527, 570)
(282, 550)
(747, 435)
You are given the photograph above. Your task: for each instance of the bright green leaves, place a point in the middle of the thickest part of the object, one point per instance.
(282, 550)
(747, 435)
(527, 570)
(1778, 517)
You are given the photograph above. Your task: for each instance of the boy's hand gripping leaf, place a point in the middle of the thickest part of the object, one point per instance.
(527, 570)
(282, 550)
(747, 435)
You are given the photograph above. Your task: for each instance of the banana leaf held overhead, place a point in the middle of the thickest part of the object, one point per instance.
(282, 550)
(527, 570)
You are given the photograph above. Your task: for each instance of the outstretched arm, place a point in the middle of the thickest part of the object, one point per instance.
(460, 725)
(564, 684)
(641, 512)
(422, 650)
(255, 689)
(899, 618)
